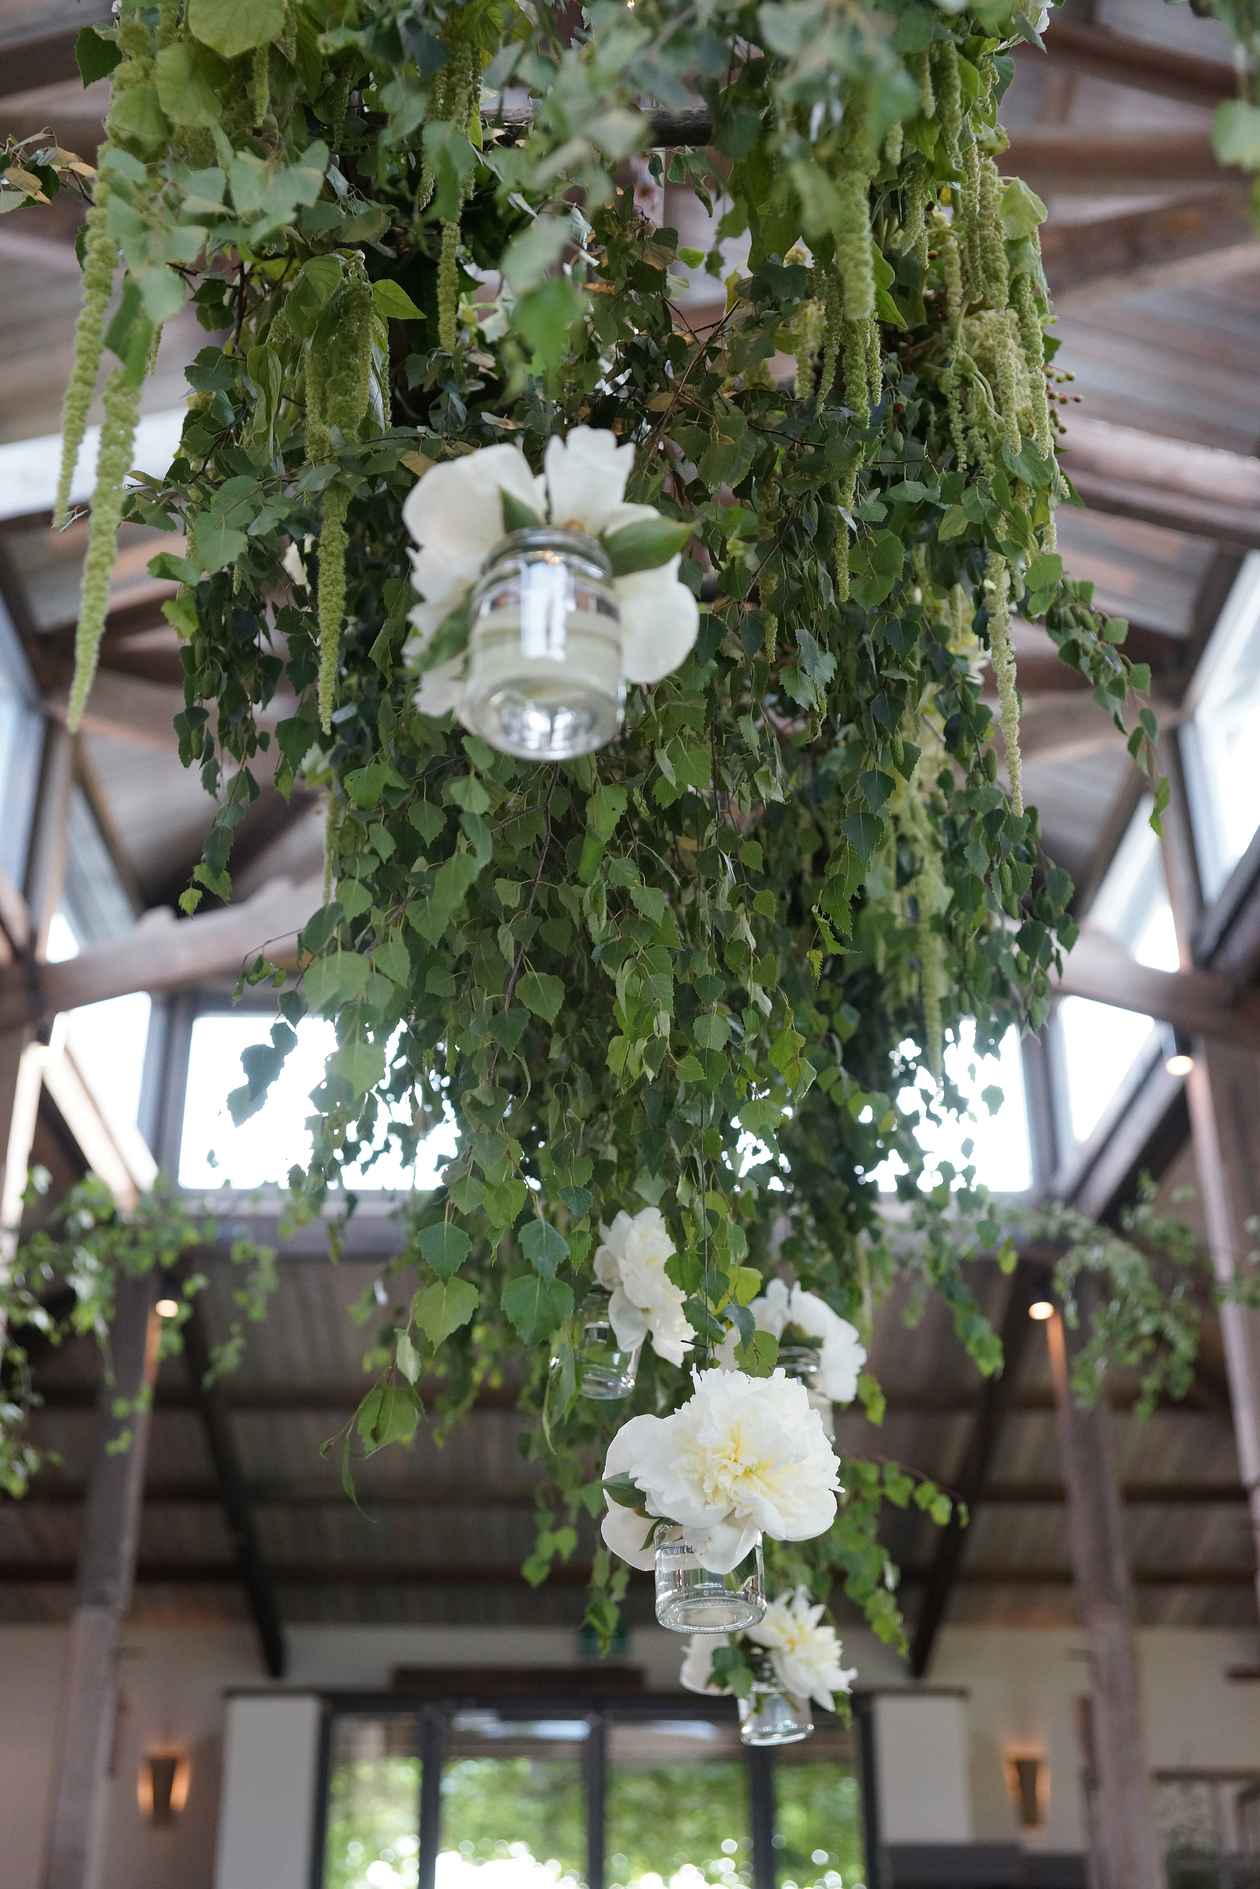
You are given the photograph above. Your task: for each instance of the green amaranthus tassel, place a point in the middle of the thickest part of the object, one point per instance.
(118, 438)
(332, 597)
(100, 259)
(998, 585)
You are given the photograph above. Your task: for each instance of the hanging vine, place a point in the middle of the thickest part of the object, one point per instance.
(693, 971)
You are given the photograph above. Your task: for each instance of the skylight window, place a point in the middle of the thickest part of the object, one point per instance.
(215, 1153)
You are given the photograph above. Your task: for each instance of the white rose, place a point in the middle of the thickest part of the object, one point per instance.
(742, 1457)
(804, 1649)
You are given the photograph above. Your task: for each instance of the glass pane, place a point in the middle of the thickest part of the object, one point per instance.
(1101, 1044)
(1222, 748)
(372, 1839)
(513, 1806)
(1000, 1151)
(107, 1040)
(818, 1839)
(677, 1806)
(1132, 904)
(214, 1152)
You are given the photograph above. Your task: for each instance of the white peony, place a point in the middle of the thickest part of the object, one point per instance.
(743, 1456)
(841, 1353)
(696, 1673)
(645, 1302)
(804, 1650)
(455, 514)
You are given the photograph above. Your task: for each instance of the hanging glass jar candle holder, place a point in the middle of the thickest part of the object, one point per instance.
(544, 674)
(691, 1598)
(801, 1361)
(606, 1369)
(770, 1716)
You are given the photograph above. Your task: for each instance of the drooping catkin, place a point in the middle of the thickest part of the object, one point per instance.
(448, 286)
(949, 100)
(260, 84)
(100, 259)
(920, 64)
(833, 329)
(118, 438)
(808, 328)
(992, 243)
(332, 596)
(168, 22)
(1032, 337)
(854, 259)
(998, 589)
(857, 387)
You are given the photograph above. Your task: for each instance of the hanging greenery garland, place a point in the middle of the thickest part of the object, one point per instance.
(690, 972)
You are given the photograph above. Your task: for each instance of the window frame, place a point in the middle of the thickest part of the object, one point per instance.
(20, 785)
(433, 1713)
(1237, 622)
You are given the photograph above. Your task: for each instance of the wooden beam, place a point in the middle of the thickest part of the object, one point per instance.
(126, 708)
(1130, 250)
(238, 1506)
(308, 1493)
(1144, 1130)
(309, 1574)
(107, 1560)
(971, 1475)
(1112, 163)
(331, 1400)
(31, 60)
(1221, 1092)
(1143, 64)
(1196, 1002)
(163, 953)
(1125, 1825)
(1200, 490)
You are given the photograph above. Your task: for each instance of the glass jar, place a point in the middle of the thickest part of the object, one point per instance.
(801, 1362)
(544, 648)
(691, 1598)
(769, 1716)
(605, 1368)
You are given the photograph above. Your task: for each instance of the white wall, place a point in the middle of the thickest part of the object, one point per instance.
(1021, 1686)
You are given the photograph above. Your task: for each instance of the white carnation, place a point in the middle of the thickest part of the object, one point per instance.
(804, 1650)
(743, 1456)
(645, 1302)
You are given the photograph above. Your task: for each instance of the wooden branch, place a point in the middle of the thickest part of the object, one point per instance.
(1133, 249)
(969, 1480)
(1200, 1003)
(234, 1493)
(162, 953)
(1167, 71)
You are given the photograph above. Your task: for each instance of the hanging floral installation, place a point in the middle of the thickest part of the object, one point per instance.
(633, 604)
(777, 1670)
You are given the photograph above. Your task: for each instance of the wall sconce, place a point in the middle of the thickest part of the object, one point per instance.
(162, 1787)
(1028, 1780)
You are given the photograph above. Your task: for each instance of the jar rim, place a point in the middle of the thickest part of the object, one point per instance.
(542, 538)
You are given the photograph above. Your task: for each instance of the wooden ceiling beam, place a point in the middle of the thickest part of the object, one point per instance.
(163, 953)
(1199, 1003)
(238, 1506)
(31, 60)
(416, 1494)
(1166, 71)
(1132, 249)
(973, 1471)
(325, 1400)
(310, 1574)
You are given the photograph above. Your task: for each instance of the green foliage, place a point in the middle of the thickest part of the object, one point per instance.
(692, 970)
(63, 1285)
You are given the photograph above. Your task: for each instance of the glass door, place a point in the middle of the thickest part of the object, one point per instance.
(632, 1792)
